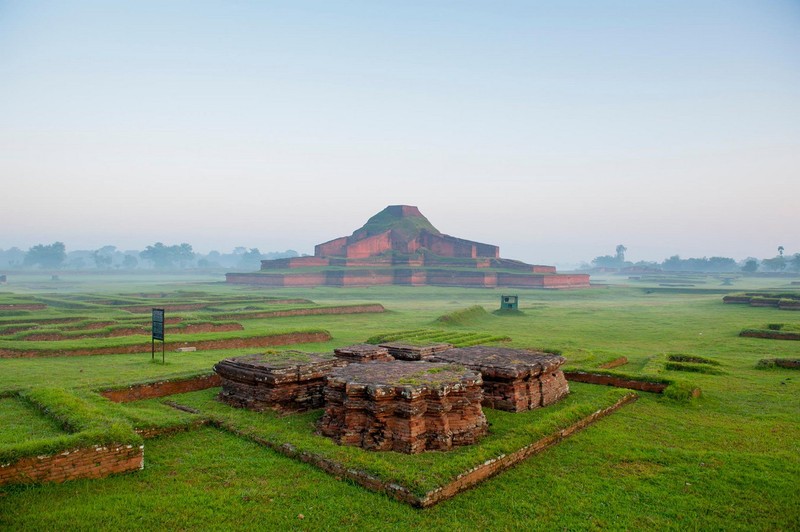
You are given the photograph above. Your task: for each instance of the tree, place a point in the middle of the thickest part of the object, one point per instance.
(164, 257)
(184, 254)
(621, 253)
(750, 266)
(775, 264)
(780, 251)
(605, 261)
(794, 263)
(104, 256)
(250, 260)
(129, 262)
(50, 256)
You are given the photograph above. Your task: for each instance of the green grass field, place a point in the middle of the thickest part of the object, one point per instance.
(728, 460)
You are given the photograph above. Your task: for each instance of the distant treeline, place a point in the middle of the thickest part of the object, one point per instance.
(158, 256)
(675, 263)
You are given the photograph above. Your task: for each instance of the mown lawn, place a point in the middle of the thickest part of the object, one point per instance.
(729, 460)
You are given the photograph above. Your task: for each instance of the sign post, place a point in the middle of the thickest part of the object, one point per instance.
(158, 333)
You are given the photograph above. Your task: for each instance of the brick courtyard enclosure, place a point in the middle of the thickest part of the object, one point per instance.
(513, 379)
(409, 407)
(289, 380)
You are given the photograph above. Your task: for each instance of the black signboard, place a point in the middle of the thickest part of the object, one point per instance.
(158, 324)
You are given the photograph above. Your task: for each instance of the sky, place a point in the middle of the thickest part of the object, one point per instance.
(553, 129)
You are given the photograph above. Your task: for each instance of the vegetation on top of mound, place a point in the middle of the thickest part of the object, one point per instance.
(467, 316)
(508, 312)
(86, 425)
(693, 368)
(771, 334)
(22, 422)
(432, 336)
(408, 227)
(785, 363)
(692, 359)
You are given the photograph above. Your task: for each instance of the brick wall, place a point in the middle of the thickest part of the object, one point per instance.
(91, 462)
(161, 389)
(373, 245)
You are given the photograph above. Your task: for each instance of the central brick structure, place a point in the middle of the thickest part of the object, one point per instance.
(288, 381)
(400, 246)
(513, 379)
(409, 407)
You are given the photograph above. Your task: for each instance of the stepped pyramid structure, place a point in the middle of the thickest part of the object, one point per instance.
(400, 246)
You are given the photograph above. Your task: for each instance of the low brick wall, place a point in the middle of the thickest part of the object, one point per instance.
(618, 382)
(145, 347)
(161, 389)
(771, 335)
(91, 462)
(346, 309)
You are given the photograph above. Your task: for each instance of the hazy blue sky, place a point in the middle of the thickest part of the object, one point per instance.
(555, 130)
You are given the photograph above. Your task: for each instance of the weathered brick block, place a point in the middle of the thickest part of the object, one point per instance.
(407, 407)
(513, 379)
(288, 381)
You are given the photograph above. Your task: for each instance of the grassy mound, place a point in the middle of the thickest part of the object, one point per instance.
(83, 422)
(432, 336)
(467, 316)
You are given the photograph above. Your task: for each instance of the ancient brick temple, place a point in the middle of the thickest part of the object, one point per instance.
(408, 407)
(400, 246)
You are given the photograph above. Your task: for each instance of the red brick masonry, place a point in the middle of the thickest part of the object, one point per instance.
(92, 462)
(408, 407)
(514, 380)
(160, 389)
(618, 382)
(288, 381)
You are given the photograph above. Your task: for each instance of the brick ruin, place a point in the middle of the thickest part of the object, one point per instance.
(400, 246)
(408, 407)
(513, 379)
(289, 381)
(396, 396)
